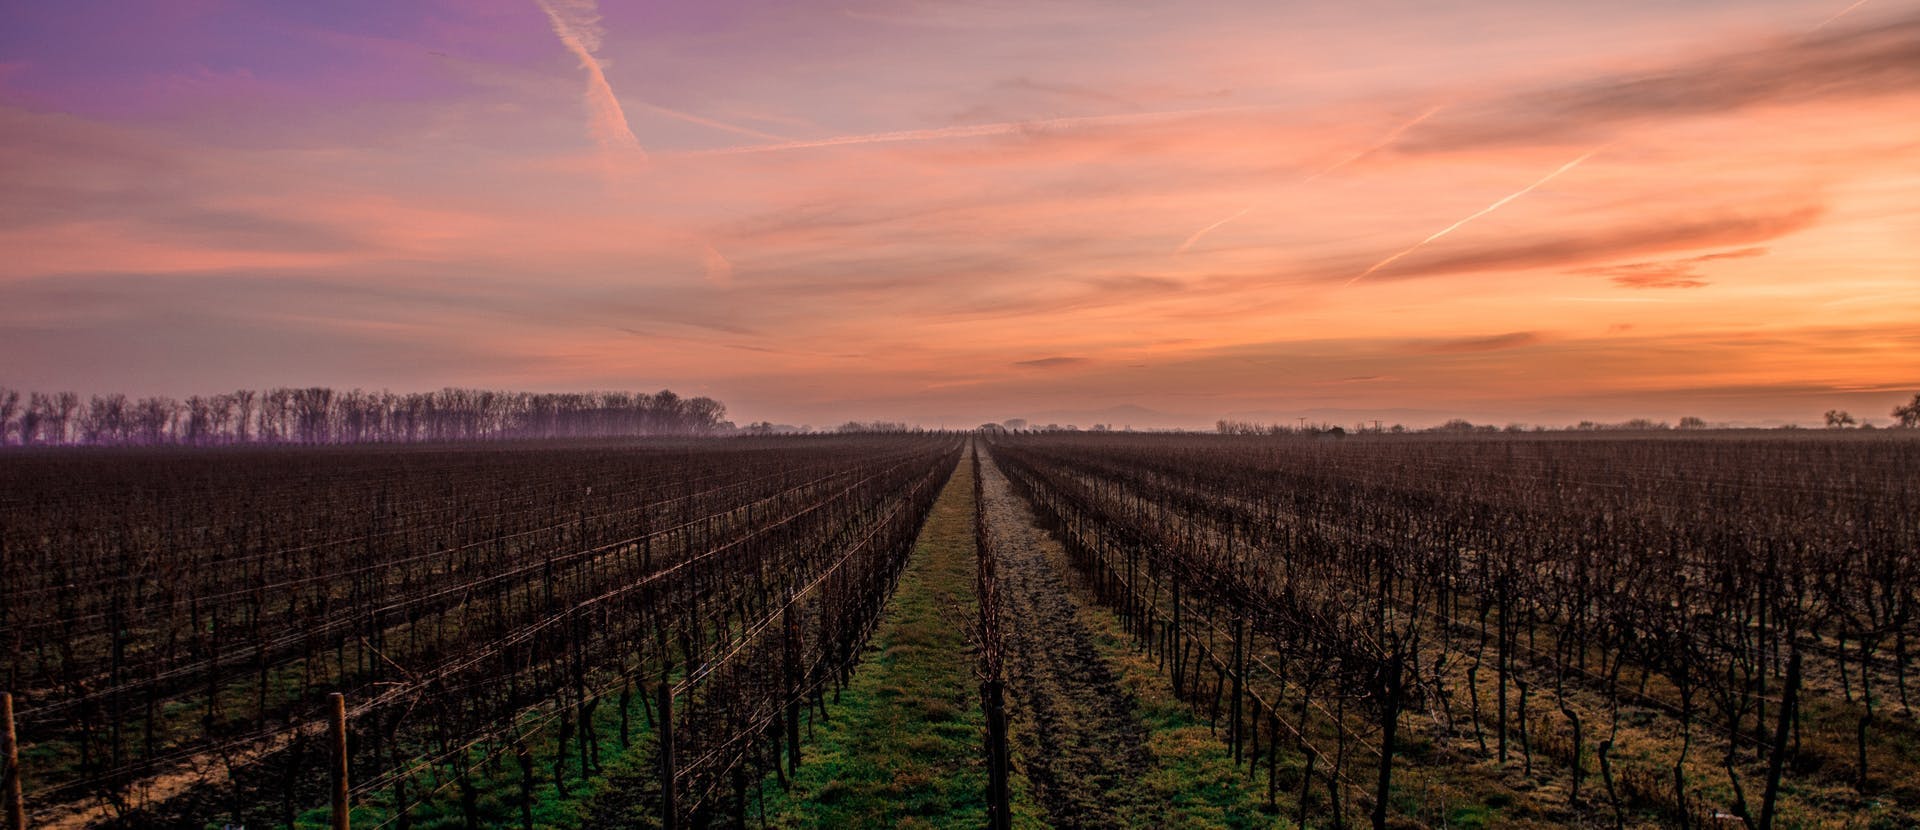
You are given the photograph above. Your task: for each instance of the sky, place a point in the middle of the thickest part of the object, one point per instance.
(1137, 213)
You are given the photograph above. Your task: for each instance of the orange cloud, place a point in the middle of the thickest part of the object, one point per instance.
(1671, 273)
(1866, 62)
(1493, 343)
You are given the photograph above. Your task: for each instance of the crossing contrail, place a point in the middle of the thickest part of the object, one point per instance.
(1356, 156)
(1376, 146)
(1209, 229)
(1476, 214)
(709, 122)
(1843, 13)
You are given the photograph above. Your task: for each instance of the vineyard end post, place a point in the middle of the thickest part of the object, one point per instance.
(669, 811)
(16, 810)
(341, 810)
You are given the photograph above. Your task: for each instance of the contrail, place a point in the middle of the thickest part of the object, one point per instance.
(577, 24)
(1477, 214)
(1367, 151)
(1843, 13)
(962, 131)
(708, 122)
(1209, 229)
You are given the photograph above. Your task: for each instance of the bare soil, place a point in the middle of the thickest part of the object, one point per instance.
(1076, 735)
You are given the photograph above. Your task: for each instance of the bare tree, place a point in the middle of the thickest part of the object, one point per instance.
(105, 420)
(1909, 415)
(38, 408)
(703, 414)
(199, 420)
(9, 403)
(1839, 419)
(311, 409)
(243, 403)
(220, 416)
(155, 419)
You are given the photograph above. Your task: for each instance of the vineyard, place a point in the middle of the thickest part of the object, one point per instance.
(1085, 630)
(1608, 632)
(505, 625)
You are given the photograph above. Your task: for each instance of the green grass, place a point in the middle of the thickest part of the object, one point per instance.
(903, 744)
(495, 777)
(1195, 774)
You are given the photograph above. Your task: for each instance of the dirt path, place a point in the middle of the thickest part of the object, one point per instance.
(1077, 736)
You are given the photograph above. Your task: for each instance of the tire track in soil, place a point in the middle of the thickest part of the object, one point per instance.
(1077, 738)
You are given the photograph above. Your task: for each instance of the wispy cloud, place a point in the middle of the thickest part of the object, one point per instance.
(1050, 362)
(719, 269)
(1025, 84)
(711, 123)
(577, 24)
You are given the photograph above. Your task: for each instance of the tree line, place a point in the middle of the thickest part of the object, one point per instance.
(1905, 416)
(319, 415)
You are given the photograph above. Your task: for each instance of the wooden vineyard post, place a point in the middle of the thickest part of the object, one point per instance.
(669, 811)
(342, 820)
(1790, 700)
(790, 653)
(1178, 661)
(1238, 671)
(10, 755)
(1273, 757)
(999, 799)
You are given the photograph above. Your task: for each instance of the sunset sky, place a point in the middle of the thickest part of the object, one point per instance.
(1128, 212)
